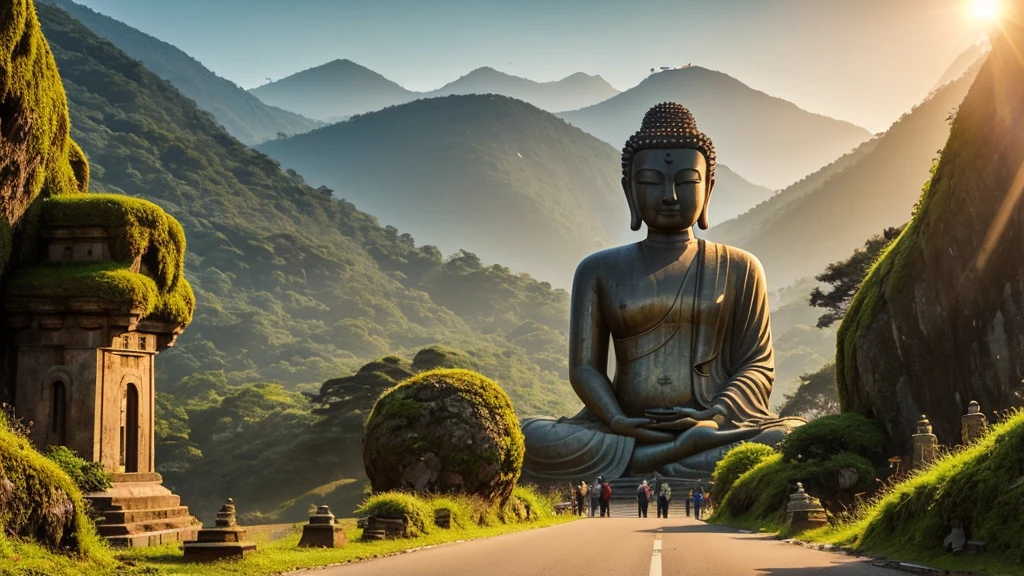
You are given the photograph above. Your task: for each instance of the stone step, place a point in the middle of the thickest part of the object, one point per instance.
(132, 516)
(178, 523)
(151, 538)
(146, 502)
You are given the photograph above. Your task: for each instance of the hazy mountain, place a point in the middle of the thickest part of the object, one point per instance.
(800, 231)
(569, 93)
(963, 63)
(243, 115)
(335, 90)
(733, 195)
(504, 178)
(768, 140)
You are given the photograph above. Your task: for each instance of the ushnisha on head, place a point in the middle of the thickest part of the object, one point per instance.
(668, 171)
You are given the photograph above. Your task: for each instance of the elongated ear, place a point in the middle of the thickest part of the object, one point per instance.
(634, 213)
(703, 220)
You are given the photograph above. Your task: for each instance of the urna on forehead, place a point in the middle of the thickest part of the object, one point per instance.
(671, 127)
(669, 160)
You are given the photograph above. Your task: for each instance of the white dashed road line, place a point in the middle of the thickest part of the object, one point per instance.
(656, 556)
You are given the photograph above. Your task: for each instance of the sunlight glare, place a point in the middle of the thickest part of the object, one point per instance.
(986, 9)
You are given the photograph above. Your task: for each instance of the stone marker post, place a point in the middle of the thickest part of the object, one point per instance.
(925, 446)
(225, 541)
(322, 532)
(974, 424)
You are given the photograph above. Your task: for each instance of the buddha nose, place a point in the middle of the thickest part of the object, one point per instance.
(669, 198)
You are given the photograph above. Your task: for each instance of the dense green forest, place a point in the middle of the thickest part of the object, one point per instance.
(293, 287)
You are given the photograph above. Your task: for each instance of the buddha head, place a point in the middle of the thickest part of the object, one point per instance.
(668, 171)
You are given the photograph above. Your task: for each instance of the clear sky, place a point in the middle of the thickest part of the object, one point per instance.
(865, 61)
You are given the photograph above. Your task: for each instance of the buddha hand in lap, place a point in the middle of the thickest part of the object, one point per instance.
(689, 323)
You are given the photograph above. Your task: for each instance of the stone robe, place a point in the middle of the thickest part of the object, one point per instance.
(719, 325)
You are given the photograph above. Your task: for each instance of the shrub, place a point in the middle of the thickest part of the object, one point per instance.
(735, 462)
(418, 514)
(827, 436)
(760, 494)
(88, 476)
(527, 504)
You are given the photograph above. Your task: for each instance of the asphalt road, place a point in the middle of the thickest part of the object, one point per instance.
(619, 547)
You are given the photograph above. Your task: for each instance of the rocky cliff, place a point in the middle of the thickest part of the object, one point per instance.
(940, 319)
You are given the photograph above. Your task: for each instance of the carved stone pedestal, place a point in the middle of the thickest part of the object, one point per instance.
(224, 542)
(924, 444)
(322, 532)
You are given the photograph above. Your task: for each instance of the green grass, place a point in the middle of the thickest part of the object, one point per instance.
(980, 483)
(283, 555)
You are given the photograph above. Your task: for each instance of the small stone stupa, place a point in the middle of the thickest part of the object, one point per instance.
(322, 532)
(974, 424)
(924, 444)
(225, 541)
(803, 511)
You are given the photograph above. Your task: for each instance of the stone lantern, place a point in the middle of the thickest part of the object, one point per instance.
(974, 424)
(924, 444)
(803, 511)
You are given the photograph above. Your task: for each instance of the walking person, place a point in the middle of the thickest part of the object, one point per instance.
(663, 499)
(595, 497)
(577, 496)
(643, 499)
(689, 501)
(698, 501)
(581, 497)
(606, 498)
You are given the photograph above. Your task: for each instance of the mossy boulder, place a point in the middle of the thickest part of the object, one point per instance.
(38, 501)
(937, 322)
(444, 431)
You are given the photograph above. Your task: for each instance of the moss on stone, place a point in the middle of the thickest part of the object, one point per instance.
(887, 273)
(465, 420)
(109, 281)
(38, 146)
(42, 504)
(419, 515)
(142, 228)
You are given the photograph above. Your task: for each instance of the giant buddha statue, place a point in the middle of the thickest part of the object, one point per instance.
(688, 319)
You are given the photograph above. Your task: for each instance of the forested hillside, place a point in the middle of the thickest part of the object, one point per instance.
(243, 115)
(293, 287)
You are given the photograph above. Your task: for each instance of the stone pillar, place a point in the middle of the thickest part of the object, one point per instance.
(924, 445)
(974, 424)
(322, 532)
(804, 512)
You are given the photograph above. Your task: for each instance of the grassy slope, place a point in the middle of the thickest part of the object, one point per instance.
(980, 484)
(243, 115)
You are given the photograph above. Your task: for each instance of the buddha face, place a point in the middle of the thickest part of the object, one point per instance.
(669, 189)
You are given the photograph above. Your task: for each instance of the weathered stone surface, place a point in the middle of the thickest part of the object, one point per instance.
(444, 431)
(940, 320)
(225, 541)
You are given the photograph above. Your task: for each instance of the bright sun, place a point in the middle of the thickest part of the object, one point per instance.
(986, 9)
